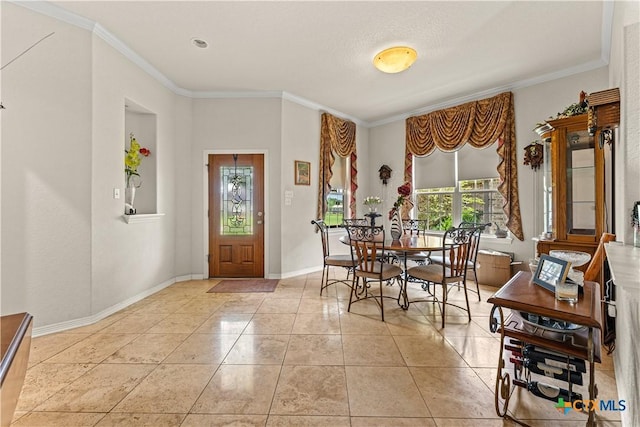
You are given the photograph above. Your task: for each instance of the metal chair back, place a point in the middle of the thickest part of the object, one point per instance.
(368, 247)
(475, 242)
(324, 234)
(347, 222)
(415, 227)
(456, 252)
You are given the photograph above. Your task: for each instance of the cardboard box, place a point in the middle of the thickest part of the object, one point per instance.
(493, 267)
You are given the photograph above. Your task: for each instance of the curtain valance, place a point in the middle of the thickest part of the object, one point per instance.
(478, 123)
(336, 136)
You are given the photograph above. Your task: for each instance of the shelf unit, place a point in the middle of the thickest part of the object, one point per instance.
(574, 186)
(520, 294)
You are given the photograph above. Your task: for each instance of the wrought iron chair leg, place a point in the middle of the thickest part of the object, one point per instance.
(466, 298)
(354, 284)
(323, 283)
(381, 301)
(475, 278)
(444, 302)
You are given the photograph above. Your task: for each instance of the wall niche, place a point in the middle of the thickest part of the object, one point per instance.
(142, 124)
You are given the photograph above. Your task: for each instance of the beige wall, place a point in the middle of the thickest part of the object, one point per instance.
(243, 125)
(46, 168)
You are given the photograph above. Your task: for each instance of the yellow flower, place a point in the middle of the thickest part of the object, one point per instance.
(132, 158)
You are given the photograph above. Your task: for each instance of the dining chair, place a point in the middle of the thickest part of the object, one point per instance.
(456, 249)
(416, 227)
(361, 221)
(344, 261)
(595, 265)
(368, 256)
(355, 221)
(473, 251)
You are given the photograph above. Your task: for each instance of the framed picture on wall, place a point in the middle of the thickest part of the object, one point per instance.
(302, 173)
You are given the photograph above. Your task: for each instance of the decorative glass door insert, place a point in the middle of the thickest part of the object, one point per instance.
(237, 205)
(581, 183)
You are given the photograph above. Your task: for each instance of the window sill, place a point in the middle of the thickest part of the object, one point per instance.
(498, 240)
(139, 218)
(486, 238)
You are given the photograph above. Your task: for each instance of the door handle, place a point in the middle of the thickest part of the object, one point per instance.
(259, 216)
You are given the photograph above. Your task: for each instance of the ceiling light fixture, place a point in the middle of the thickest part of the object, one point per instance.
(199, 43)
(395, 59)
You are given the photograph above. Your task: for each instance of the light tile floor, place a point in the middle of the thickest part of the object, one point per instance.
(185, 357)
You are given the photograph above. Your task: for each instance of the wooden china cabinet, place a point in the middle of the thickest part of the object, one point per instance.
(575, 187)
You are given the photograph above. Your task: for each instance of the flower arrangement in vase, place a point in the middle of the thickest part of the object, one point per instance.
(372, 202)
(132, 159)
(395, 216)
(404, 191)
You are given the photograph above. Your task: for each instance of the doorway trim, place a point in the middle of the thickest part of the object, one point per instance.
(205, 205)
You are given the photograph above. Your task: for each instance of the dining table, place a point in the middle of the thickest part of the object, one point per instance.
(404, 246)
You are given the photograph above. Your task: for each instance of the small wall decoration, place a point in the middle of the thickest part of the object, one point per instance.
(385, 173)
(302, 173)
(533, 155)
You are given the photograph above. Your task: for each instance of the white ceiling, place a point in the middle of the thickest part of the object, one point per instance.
(321, 52)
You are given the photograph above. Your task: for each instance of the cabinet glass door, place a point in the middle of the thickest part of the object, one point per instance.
(547, 184)
(581, 183)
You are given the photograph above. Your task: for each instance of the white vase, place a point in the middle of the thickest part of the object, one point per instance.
(396, 225)
(129, 198)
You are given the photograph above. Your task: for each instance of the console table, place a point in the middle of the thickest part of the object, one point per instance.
(520, 294)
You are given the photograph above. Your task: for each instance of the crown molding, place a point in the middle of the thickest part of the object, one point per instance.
(64, 15)
(319, 107)
(237, 94)
(589, 66)
(137, 59)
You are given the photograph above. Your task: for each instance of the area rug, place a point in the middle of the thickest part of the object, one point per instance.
(245, 285)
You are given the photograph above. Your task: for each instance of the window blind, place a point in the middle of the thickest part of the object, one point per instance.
(475, 163)
(435, 170)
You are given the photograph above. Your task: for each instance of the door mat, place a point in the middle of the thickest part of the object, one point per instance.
(245, 285)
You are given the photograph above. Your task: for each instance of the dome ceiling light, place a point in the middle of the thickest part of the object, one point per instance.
(395, 59)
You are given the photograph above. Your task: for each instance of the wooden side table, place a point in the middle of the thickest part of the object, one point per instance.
(520, 294)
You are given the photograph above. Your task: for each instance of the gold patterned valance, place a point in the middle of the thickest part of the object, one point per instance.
(336, 136)
(478, 123)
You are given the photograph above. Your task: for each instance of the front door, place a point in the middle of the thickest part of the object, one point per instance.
(236, 215)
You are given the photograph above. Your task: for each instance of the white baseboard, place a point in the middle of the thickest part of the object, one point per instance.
(188, 277)
(299, 272)
(89, 320)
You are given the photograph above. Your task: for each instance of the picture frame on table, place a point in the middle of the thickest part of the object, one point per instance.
(550, 269)
(302, 171)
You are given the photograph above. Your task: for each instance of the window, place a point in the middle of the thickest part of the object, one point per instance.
(436, 205)
(481, 202)
(460, 186)
(337, 199)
